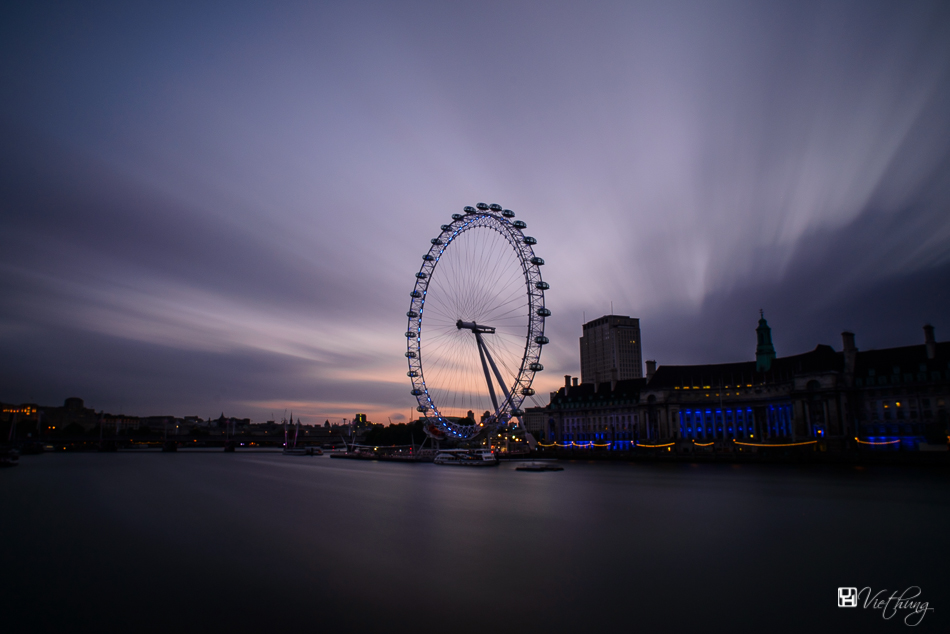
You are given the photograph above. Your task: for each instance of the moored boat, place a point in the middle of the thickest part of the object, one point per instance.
(9, 457)
(291, 449)
(539, 466)
(466, 457)
(303, 451)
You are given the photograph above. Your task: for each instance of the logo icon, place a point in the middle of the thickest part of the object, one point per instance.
(847, 597)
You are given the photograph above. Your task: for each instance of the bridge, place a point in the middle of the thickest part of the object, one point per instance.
(170, 442)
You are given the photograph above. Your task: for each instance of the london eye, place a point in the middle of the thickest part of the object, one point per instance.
(476, 324)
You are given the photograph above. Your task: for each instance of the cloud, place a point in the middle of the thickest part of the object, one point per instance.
(231, 191)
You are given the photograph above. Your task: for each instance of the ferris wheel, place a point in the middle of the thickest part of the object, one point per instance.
(476, 324)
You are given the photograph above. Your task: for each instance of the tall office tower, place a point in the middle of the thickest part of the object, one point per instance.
(610, 349)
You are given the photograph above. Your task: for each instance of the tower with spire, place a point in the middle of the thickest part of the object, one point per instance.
(764, 350)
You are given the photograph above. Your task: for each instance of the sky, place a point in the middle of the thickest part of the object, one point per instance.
(213, 208)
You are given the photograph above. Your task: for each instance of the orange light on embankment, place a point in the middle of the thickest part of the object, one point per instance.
(788, 444)
(883, 442)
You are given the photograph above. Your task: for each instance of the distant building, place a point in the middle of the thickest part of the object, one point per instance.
(161, 424)
(603, 414)
(43, 419)
(534, 421)
(119, 422)
(610, 350)
(25, 411)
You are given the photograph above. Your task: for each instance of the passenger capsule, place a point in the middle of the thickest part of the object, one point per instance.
(435, 241)
(507, 213)
(528, 391)
(422, 275)
(412, 373)
(422, 408)
(544, 312)
(535, 367)
(469, 210)
(517, 412)
(457, 216)
(427, 257)
(494, 207)
(445, 227)
(412, 314)
(415, 294)
(520, 224)
(482, 206)
(542, 286)
(530, 240)
(537, 260)
(411, 354)
(542, 340)
(416, 392)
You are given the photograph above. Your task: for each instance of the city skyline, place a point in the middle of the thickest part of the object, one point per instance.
(213, 211)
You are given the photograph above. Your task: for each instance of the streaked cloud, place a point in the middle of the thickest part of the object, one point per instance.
(245, 193)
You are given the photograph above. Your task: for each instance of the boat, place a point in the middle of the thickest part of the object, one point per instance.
(466, 457)
(293, 449)
(9, 457)
(303, 451)
(539, 466)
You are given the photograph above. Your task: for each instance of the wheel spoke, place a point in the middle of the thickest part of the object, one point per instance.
(480, 274)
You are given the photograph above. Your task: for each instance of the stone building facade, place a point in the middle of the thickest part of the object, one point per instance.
(889, 399)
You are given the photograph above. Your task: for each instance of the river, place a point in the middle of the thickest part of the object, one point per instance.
(261, 542)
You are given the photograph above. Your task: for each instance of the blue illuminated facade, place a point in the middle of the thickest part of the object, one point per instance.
(734, 422)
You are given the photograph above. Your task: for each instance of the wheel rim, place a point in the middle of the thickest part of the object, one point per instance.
(480, 273)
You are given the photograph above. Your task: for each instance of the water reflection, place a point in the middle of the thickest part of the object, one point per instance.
(262, 542)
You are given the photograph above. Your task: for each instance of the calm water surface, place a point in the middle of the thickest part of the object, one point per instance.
(261, 542)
